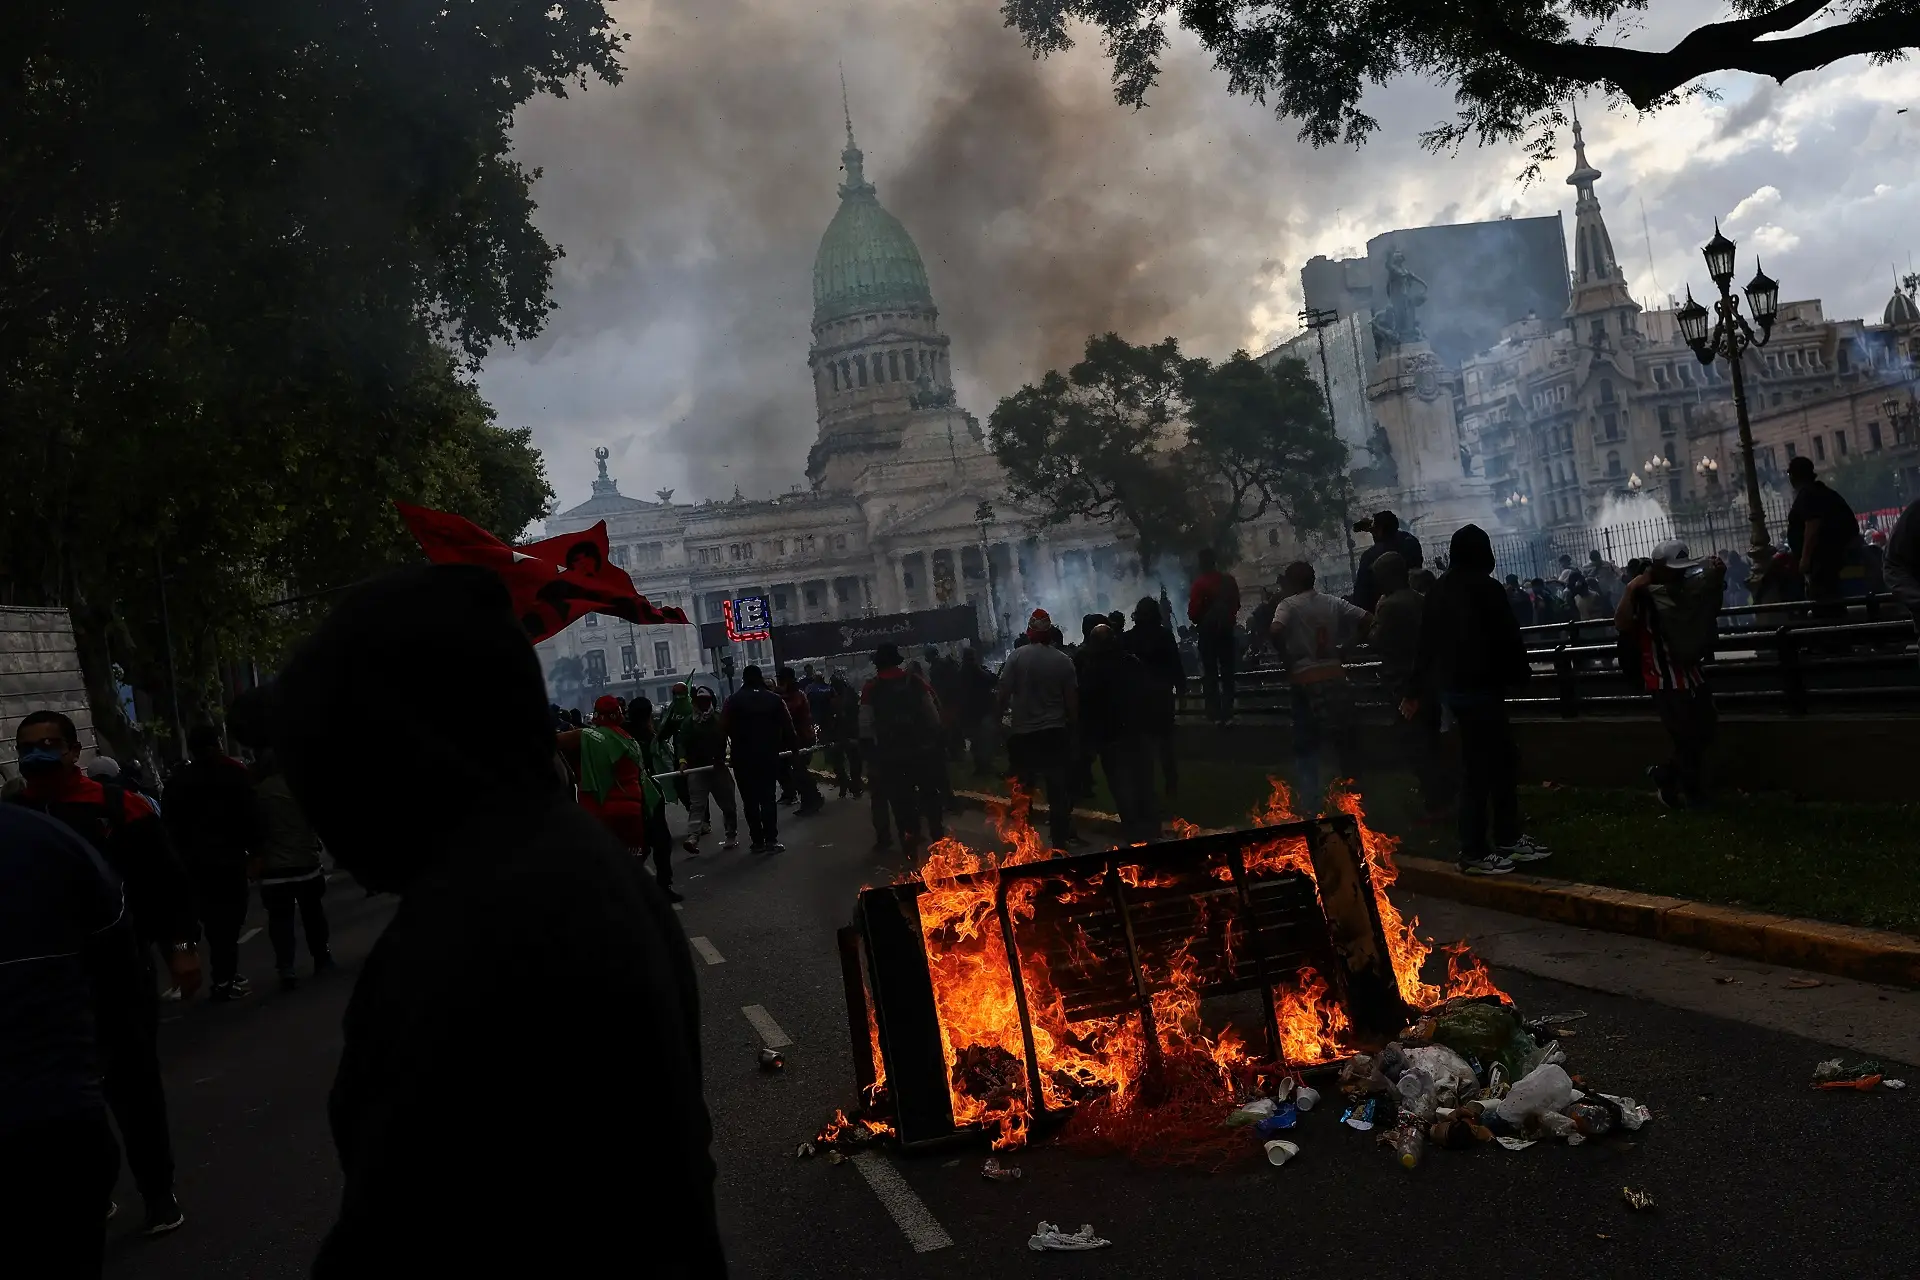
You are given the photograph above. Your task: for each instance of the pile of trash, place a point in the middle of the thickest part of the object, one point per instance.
(1468, 1071)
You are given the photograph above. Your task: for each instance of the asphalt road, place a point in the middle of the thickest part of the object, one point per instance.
(1752, 1172)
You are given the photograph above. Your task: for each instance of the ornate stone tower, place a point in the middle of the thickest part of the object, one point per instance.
(878, 352)
(1603, 314)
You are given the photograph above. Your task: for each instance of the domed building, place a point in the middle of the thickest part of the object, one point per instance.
(904, 509)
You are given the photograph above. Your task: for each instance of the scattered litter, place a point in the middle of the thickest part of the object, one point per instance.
(1049, 1237)
(805, 1150)
(1637, 1199)
(1724, 981)
(772, 1060)
(1545, 1091)
(1252, 1113)
(1279, 1151)
(1837, 1073)
(1893, 1084)
(1285, 1117)
(1408, 1140)
(836, 1157)
(1601, 1235)
(994, 1171)
(1632, 1114)
(1802, 984)
(1515, 1144)
(1306, 1097)
(1557, 1019)
(1360, 1115)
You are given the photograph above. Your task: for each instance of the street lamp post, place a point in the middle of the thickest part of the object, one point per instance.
(1731, 337)
(1318, 319)
(984, 515)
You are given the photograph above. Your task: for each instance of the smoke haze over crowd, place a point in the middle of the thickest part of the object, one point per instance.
(690, 199)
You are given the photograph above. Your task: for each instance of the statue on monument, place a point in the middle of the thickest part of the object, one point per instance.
(1399, 323)
(927, 396)
(600, 456)
(1383, 472)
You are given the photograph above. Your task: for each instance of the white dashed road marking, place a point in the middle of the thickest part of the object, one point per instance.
(913, 1218)
(707, 951)
(769, 1029)
(250, 934)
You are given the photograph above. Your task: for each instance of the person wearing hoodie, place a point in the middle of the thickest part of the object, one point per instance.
(908, 752)
(519, 1090)
(1470, 653)
(1152, 642)
(1116, 705)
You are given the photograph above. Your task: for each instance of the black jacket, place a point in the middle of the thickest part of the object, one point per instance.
(210, 814)
(1118, 697)
(519, 1089)
(1366, 592)
(1469, 640)
(1157, 651)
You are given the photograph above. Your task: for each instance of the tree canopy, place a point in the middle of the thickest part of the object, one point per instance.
(1511, 63)
(1180, 449)
(249, 258)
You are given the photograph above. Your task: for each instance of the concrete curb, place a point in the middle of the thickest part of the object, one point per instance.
(1868, 955)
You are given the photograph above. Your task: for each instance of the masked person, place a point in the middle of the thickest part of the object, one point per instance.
(127, 834)
(519, 1084)
(616, 783)
(703, 742)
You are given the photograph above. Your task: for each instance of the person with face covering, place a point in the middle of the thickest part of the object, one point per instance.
(519, 1085)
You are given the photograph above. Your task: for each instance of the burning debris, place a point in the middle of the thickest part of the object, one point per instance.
(1131, 995)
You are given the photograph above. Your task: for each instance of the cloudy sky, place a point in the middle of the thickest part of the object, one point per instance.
(690, 198)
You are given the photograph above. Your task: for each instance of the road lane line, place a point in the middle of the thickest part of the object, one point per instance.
(250, 934)
(769, 1029)
(707, 951)
(912, 1216)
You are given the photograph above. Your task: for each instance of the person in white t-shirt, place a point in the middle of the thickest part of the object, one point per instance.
(1309, 629)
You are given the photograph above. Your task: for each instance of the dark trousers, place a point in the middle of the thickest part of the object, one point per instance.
(1424, 749)
(805, 782)
(133, 1088)
(1046, 759)
(844, 758)
(908, 785)
(759, 786)
(1216, 673)
(281, 901)
(1692, 724)
(1128, 764)
(1322, 717)
(1161, 743)
(56, 1177)
(659, 845)
(1490, 765)
(981, 733)
(221, 894)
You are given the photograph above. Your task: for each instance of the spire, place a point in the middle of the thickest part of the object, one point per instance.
(856, 183)
(1599, 282)
(1583, 174)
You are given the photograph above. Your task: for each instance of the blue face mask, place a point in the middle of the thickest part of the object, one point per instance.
(40, 760)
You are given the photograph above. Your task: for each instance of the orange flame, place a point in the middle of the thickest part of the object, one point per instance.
(1107, 1063)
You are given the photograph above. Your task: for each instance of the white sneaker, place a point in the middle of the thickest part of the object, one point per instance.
(1525, 849)
(1487, 864)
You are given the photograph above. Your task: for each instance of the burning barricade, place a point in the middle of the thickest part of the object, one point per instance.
(1131, 998)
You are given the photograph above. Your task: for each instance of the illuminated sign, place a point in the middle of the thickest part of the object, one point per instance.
(747, 618)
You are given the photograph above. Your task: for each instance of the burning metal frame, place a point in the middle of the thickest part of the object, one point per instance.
(1105, 937)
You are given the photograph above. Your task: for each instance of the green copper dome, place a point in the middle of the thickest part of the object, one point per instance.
(867, 261)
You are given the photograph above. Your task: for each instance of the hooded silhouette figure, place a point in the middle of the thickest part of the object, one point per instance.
(519, 1088)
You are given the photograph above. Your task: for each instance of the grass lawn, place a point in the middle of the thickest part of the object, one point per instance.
(1847, 863)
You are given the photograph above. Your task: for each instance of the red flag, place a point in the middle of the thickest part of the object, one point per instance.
(553, 581)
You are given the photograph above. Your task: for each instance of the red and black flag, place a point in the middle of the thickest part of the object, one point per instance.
(553, 582)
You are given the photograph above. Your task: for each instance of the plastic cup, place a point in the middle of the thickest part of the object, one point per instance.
(1279, 1151)
(1305, 1097)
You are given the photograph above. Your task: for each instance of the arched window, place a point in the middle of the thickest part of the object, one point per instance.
(893, 366)
(846, 377)
(911, 375)
(860, 369)
(833, 372)
(1613, 462)
(1580, 253)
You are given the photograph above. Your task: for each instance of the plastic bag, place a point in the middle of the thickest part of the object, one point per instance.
(1489, 1032)
(1544, 1089)
(1453, 1079)
(1632, 1114)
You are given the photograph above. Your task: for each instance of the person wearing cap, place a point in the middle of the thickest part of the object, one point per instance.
(909, 753)
(1669, 613)
(1822, 532)
(1387, 536)
(1213, 607)
(1039, 693)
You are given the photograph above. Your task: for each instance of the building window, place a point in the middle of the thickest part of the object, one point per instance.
(860, 369)
(1613, 462)
(1776, 399)
(1686, 375)
(1606, 387)
(812, 597)
(627, 662)
(738, 551)
(1666, 417)
(1873, 436)
(596, 664)
(839, 542)
(846, 376)
(1840, 443)
(1660, 375)
(1793, 451)
(1819, 449)
(911, 375)
(906, 580)
(833, 373)
(662, 657)
(619, 556)
(1686, 414)
(593, 619)
(1598, 330)
(1611, 424)
(841, 594)
(1845, 354)
(893, 366)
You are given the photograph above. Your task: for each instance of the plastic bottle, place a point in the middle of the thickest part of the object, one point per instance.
(1408, 1141)
(1417, 1094)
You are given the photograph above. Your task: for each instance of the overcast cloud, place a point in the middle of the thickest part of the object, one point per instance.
(690, 199)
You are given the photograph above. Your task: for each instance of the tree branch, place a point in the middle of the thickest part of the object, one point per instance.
(1644, 75)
